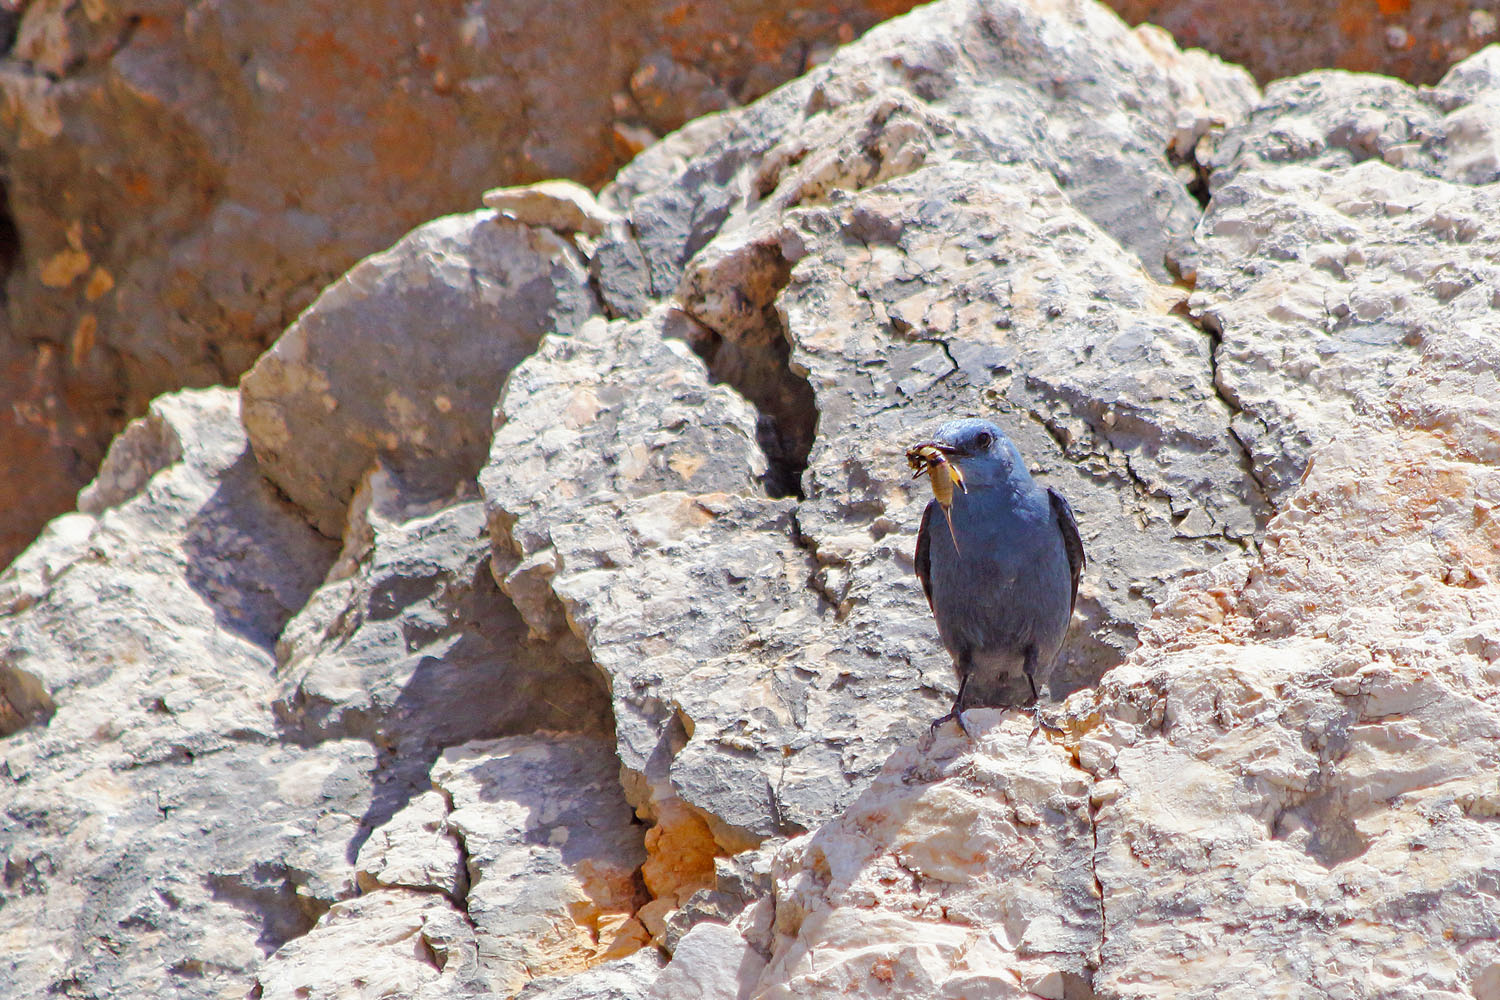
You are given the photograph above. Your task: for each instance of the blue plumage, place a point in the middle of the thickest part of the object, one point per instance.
(1004, 594)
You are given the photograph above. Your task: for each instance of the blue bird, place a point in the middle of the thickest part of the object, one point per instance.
(1000, 566)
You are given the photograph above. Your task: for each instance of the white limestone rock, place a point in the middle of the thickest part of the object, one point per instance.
(625, 978)
(415, 849)
(552, 853)
(965, 869)
(389, 943)
(711, 962)
(158, 836)
(410, 644)
(559, 205)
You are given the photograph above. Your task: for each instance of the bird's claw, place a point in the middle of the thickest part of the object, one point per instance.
(956, 715)
(1037, 726)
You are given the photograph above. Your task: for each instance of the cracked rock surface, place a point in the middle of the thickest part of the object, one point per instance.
(882, 245)
(387, 361)
(618, 682)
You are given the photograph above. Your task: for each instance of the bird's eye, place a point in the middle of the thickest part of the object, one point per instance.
(983, 441)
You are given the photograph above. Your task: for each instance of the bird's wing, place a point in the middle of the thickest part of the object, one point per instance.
(1071, 542)
(923, 558)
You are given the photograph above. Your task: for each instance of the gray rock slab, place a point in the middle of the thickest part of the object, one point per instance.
(403, 358)
(617, 410)
(1295, 778)
(694, 550)
(415, 850)
(1099, 116)
(642, 528)
(964, 869)
(711, 961)
(175, 877)
(623, 979)
(178, 195)
(931, 236)
(187, 568)
(386, 943)
(1351, 238)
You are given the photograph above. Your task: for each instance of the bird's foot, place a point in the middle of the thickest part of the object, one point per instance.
(1037, 725)
(956, 715)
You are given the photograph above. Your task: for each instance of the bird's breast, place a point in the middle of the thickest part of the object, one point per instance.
(998, 524)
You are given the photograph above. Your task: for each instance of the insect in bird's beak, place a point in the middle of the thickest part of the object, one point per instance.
(932, 458)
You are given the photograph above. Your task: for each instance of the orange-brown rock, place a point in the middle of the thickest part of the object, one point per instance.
(1416, 40)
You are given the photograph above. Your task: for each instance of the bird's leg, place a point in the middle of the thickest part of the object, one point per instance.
(1028, 667)
(956, 714)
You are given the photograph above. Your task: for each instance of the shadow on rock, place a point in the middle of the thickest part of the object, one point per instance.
(249, 561)
(410, 644)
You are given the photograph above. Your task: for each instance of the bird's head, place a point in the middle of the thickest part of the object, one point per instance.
(982, 452)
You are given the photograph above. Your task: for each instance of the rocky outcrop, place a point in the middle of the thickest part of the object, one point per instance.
(319, 410)
(978, 860)
(521, 862)
(181, 180)
(626, 691)
(859, 268)
(158, 832)
(177, 188)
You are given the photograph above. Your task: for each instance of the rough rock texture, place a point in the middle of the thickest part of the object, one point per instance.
(181, 179)
(860, 267)
(658, 676)
(539, 851)
(1345, 246)
(1297, 781)
(1291, 781)
(623, 979)
(1297, 768)
(552, 852)
(409, 643)
(158, 837)
(978, 854)
(177, 189)
(384, 944)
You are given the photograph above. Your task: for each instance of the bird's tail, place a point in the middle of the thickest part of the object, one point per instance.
(998, 680)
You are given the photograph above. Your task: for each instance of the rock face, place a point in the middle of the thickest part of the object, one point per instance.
(624, 690)
(1319, 719)
(177, 189)
(535, 843)
(979, 858)
(142, 630)
(1295, 784)
(182, 180)
(858, 269)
